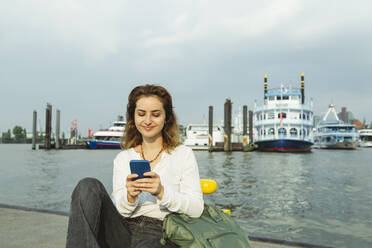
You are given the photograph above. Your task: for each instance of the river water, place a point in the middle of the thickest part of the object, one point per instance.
(323, 197)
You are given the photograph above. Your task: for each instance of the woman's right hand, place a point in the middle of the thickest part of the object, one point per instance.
(132, 191)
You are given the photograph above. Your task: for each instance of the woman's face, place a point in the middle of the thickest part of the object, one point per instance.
(149, 116)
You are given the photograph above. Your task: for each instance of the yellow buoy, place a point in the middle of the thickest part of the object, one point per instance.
(228, 211)
(208, 186)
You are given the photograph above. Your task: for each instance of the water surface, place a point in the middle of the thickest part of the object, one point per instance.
(323, 197)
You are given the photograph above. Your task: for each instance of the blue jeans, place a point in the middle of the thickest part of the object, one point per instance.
(94, 222)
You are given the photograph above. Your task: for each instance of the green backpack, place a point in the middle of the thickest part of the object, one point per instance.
(213, 228)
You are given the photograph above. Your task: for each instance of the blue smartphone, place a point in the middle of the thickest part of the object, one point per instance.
(139, 167)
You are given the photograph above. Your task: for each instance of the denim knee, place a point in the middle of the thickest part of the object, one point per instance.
(87, 186)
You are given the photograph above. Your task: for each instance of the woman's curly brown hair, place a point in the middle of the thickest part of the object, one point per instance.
(132, 137)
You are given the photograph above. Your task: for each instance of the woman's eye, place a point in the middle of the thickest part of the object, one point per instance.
(156, 115)
(141, 114)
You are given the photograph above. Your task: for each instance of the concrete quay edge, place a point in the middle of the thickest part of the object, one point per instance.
(22, 227)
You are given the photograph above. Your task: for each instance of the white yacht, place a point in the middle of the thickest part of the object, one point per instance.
(108, 138)
(197, 135)
(283, 123)
(333, 133)
(365, 139)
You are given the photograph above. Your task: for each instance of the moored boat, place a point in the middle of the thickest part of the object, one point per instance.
(284, 122)
(333, 133)
(197, 135)
(109, 138)
(365, 139)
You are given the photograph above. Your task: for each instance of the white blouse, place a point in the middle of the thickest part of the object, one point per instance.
(179, 176)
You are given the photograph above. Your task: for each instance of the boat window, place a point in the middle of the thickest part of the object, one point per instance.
(271, 98)
(278, 97)
(282, 131)
(303, 132)
(203, 128)
(294, 97)
(285, 97)
(271, 115)
(264, 132)
(366, 138)
(293, 131)
(271, 131)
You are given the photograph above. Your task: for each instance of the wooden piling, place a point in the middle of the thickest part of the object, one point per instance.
(48, 126)
(210, 129)
(227, 140)
(58, 113)
(245, 141)
(250, 127)
(34, 133)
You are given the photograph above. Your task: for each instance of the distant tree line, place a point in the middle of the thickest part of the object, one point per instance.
(20, 136)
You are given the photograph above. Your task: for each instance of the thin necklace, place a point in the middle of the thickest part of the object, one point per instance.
(143, 155)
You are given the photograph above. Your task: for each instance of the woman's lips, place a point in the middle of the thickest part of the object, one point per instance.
(148, 128)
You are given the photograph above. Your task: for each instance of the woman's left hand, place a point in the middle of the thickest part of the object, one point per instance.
(151, 185)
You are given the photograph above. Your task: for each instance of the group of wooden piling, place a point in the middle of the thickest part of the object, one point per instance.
(48, 129)
(228, 145)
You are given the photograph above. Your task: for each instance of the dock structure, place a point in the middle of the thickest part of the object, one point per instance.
(228, 145)
(33, 228)
(250, 113)
(245, 122)
(210, 129)
(48, 144)
(58, 114)
(48, 126)
(34, 133)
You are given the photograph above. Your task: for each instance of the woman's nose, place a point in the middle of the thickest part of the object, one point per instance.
(148, 119)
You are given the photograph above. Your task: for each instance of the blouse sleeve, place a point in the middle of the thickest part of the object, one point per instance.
(120, 173)
(189, 199)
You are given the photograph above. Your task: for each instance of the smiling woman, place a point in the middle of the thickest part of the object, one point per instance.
(172, 185)
(154, 103)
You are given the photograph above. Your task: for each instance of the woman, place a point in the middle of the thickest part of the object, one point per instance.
(151, 133)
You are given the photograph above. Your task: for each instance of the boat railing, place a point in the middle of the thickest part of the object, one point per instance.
(284, 136)
(284, 89)
(284, 122)
(338, 131)
(283, 105)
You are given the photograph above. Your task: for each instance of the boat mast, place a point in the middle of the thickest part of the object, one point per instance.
(331, 110)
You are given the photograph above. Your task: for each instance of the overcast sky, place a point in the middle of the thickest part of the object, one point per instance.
(84, 57)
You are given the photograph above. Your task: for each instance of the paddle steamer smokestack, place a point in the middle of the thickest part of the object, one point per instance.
(302, 88)
(265, 86)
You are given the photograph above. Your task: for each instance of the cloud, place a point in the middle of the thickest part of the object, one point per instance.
(89, 28)
(200, 50)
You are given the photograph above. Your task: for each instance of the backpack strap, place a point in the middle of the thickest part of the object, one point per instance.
(214, 212)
